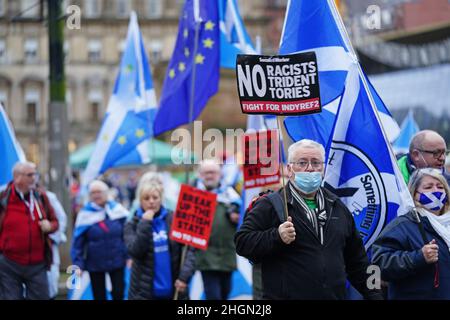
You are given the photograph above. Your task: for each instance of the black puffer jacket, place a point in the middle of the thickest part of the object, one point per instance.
(139, 241)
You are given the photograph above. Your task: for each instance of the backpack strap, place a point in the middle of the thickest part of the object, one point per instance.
(277, 202)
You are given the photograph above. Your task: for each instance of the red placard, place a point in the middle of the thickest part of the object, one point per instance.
(261, 164)
(193, 217)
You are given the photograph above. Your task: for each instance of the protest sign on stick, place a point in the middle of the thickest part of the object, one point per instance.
(193, 217)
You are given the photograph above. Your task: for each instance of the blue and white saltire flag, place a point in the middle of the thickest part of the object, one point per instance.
(234, 38)
(91, 214)
(408, 129)
(203, 57)
(80, 288)
(316, 26)
(128, 123)
(361, 167)
(10, 149)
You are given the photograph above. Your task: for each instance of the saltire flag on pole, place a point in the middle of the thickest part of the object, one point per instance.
(10, 149)
(203, 54)
(234, 38)
(361, 167)
(408, 129)
(316, 25)
(127, 125)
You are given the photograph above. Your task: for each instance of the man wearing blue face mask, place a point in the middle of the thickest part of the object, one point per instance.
(314, 252)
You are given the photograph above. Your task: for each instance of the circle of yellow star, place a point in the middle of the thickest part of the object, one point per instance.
(185, 33)
(172, 73)
(186, 52)
(199, 58)
(181, 66)
(140, 133)
(208, 43)
(209, 25)
(122, 140)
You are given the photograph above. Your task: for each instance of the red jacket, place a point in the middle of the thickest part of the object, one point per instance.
(21, 238)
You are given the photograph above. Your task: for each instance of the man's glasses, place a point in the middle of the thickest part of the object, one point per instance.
(31, 174)
(436, 153)
(303, 164)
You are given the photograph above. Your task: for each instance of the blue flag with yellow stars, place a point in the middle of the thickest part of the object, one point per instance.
(176, 92)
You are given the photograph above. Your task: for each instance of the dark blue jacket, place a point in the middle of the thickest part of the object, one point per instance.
(101, 249)
(398, 252)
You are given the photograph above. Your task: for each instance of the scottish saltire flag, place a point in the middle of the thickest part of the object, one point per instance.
(408, 129)
(81, 289)
(181, 83)
(317, 26)
(241, 283)
(131, 110)
(10, 149)
(91, 214)
(361, 168)
(234, 38)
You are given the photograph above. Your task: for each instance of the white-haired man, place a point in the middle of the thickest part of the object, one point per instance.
(218, 262)
(311, 255)
(26, 220)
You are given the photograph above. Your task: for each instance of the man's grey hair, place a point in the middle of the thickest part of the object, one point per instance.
(19, 166)
(207, 162)
(305, 143)
(99, 184)
(418, 139)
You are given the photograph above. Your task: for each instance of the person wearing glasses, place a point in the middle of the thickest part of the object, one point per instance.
(413, 251)
(26, 220)
(311, 253)
(427, 149)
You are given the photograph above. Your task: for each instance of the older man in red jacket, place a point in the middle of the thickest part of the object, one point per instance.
(26, 220)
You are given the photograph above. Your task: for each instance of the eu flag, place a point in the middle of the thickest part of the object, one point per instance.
(204, 55)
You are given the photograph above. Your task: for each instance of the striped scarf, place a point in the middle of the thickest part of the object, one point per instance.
(318, 216)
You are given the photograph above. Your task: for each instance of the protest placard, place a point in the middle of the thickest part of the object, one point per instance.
(193, 217)
(261, 159)
(281, 85)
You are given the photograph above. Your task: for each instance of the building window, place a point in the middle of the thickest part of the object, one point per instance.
(69, 106)
(95, 102)
(2, 51)
(94, 50)
(30, 8)
(31, 50)
(155, 51)
(2, 8)
(32, 106)
(154, 8)
(92, 8)
(66, 49)
(123, 8)
(121, 48)
(3, 99)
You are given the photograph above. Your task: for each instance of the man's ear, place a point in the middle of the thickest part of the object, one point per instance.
(414, 155)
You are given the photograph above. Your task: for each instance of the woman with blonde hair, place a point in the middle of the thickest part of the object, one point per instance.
(413, 251)
(156, 271)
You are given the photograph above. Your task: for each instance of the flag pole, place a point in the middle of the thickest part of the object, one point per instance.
(198, 22)
(193, 78)
(346, 39)
(286, 214)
